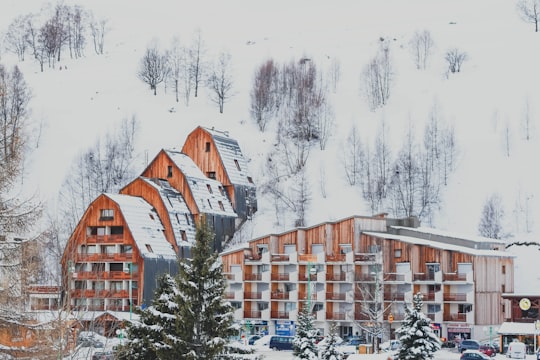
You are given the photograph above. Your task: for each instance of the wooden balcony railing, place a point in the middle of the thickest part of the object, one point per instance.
(454, 297)
(364, 277)
(365, 257)
(335, 296)
(394, 296)
(280, 295)
(253, 277)
(304, 277)
(252, 295)
(105, 275)
(335, 316)
(280, 277)
(279, 257)
(394, 277)
(424, 277)
(336, 277)
(100, 257)
(279, 314)
(105, 239)
(253, 314)
(461, 317)
(454, 276)
(336, 258)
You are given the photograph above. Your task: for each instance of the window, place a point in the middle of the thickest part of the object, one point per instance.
(221, 206)
(207, 147)
(433, 308)
(187, 218)
(504, 269)
(464, 308)
(237, 165)
(209, 203)
(211, 174)
(221, 190)
(149, 248)
(169, 171)
(209, 188)
(397, 253)
(250, 180)
(183, 234)
(106, 214)
(117, 230)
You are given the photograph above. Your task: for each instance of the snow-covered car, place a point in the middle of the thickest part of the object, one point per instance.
(351, 346)
(264, 341)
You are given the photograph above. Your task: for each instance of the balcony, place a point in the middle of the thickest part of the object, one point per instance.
(279, 295)
(252, 295)
(101, 257)
(460, 317)
(458, 277)
(365, 257)
(335, 315)
(336, 258)
(280, 277)
(335, 296)
(105, 239)
(254, 314)
(104, 275)
(364, 277)
(394, 296)
(461, 297)
(253, 277)
(279, 314)
(342, 276)
(280, 257)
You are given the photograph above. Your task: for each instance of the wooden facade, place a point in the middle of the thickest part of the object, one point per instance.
(271, 278)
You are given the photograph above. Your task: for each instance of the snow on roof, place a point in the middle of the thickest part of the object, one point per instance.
(514, 328)
(474, 238)
(233, 160)
(440, 245)
(179, 215)
(209, 194)
(144, 225)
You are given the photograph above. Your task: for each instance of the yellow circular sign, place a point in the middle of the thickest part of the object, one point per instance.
(524, 304)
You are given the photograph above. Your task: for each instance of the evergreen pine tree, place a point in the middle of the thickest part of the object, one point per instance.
(151, 337)
(206, 319)
(418, 341)
(329, 349)
(304, 340)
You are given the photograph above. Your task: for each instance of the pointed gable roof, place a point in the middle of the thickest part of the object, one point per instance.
(145, 226)
(232, 158)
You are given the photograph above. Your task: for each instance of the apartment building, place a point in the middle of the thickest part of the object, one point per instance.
(124, 241)
(346, 269)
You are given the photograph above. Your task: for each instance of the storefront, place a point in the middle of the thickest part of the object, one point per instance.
(524, 332)
(285, 327)
(458, 332)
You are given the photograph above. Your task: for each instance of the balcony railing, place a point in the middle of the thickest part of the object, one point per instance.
(105, 239)
(280, 295)
(279, 314)
(364, 277)
(102, 294)
(461, 317)
(336, 258)
(253, 277)
(105, 275)
(99, 257)
(335, 296)
(455, 297)
(335, 316)
(365, 257)
(280, 276)
(424, 277)
(279, 257)
(304, 277)
(254, 314)
(454, 276)
(252, 295)
(336, 277)
(394, 295)
(394, 277)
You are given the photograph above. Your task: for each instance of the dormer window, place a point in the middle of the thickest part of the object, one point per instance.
(250, 180)
(221, 206)
(209, 188)
(207, 147)
(237, 165)
(211, 175)
(169, 171)
(106, 214)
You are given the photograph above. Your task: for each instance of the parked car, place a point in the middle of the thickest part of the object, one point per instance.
(278, 342)
(473, 355)
(516, 350)
(253, 338)
(103, 355)
(488, 350)
(468, 345)
(350, 346)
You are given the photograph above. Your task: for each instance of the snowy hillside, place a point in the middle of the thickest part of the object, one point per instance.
(487, 102)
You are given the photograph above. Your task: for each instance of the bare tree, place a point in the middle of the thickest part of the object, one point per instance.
(153, 68)
(325, 124)
(17, 214)
(263, 93)
(353, 157)
(104, 167)
(220, 81)
(527, 123)
(529, 10)
(16, 38)
(99, 28)
(377, 79)
(334, 73)
(490, 224)
(421, 46)
(455, 58)
(176, 63)
(196, 64)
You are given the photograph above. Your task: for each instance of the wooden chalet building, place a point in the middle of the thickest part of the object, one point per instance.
(342, 268)
(124, 241)
(220, 158)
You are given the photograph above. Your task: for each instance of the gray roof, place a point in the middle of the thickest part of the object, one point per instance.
(145, 226)
(441, 245)
(229, 151)
(207, 193)
(179, 214)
